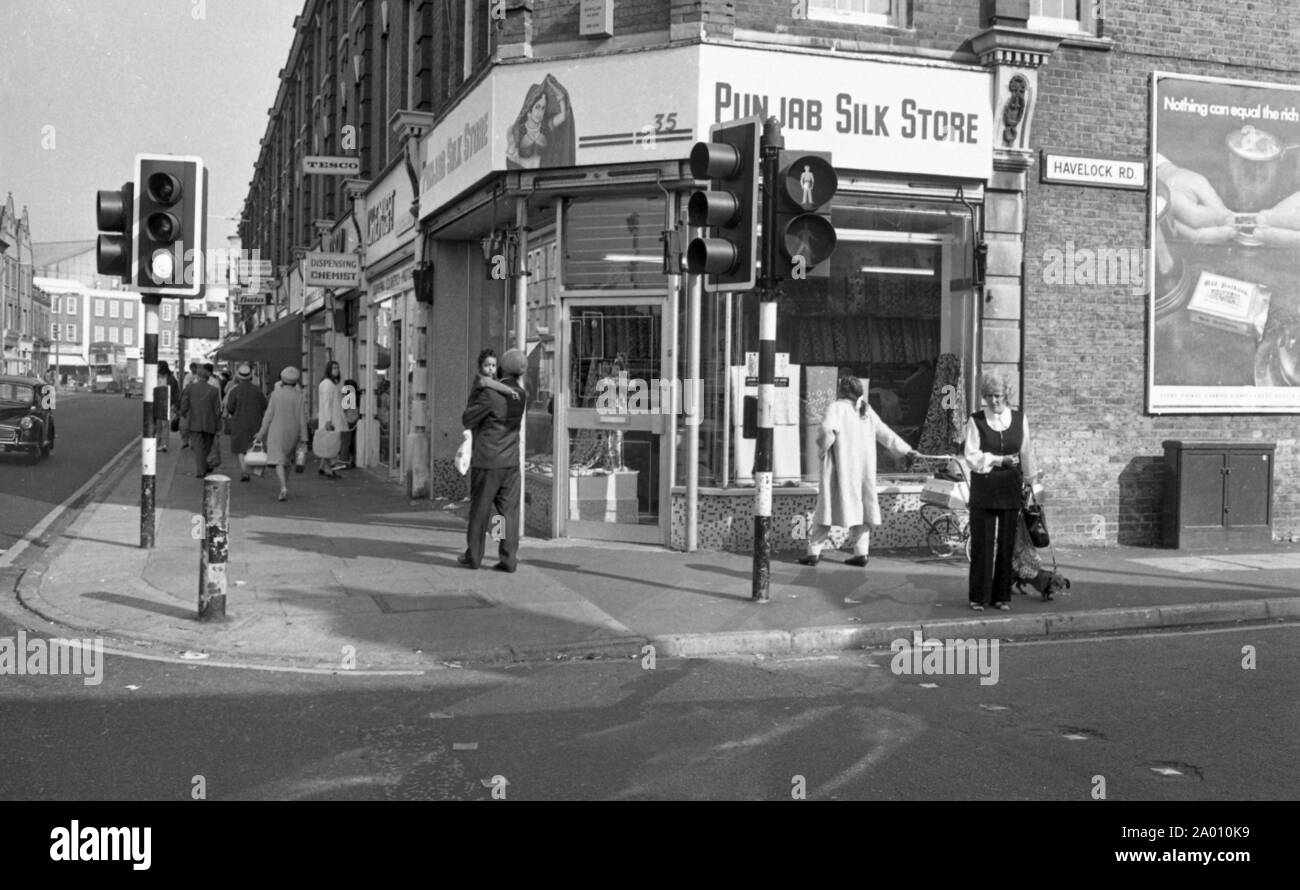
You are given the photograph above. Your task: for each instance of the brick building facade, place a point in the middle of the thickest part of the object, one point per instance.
(452, 178)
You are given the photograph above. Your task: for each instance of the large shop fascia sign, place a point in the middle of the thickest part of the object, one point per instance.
(654, 105)
(872, 116)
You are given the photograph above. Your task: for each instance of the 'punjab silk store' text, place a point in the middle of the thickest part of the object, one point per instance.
(458, 149)
(851, 117)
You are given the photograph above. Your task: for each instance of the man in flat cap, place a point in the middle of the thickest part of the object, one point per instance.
(494, 418)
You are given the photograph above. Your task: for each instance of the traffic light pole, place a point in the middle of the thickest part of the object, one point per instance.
(148, 433)
(772, 144)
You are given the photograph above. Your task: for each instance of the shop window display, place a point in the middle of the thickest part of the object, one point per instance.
(896, 310)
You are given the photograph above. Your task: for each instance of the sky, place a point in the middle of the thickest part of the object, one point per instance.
(85, 85)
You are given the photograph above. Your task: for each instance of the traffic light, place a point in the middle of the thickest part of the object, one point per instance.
(170, 240)
(729, 208)
(113, 215)
(805, 186)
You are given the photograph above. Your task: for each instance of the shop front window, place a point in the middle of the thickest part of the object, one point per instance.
(613, 243)
(895, 310)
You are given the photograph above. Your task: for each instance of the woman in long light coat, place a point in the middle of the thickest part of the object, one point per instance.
(330, 415)
(284, 426)
(847, 496)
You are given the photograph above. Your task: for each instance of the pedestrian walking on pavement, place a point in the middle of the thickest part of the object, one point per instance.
(847, 494)
(329, 418)
(201, 410)
(245, 406)
(284, 426)
(350, 402)
(166, 411)
(494, 418)
(997, 452)
(185, 423)
(214, 456)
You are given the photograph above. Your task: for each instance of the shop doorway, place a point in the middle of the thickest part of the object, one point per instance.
(612, 412)
(389, 370)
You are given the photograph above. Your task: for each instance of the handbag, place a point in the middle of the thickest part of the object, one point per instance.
(256, 456)
(1036, 522)
(326, 443)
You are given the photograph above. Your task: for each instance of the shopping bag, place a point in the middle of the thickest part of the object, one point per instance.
(465, 453)
(326, 443)
(1025, 561)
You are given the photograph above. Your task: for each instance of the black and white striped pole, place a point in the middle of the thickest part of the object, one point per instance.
(772, 144)
(148, 432)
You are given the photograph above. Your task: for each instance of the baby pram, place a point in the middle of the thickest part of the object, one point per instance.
(945, 500)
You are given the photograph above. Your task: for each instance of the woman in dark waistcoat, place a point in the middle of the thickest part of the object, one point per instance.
(997, 451)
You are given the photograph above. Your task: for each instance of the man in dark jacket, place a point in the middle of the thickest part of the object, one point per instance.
(201, 407)
(494, 419)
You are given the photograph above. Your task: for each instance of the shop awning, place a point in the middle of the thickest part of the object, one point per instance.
(278, 344)
(66, 361)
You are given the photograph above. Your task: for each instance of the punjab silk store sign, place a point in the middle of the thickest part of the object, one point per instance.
(872, 116)
(654, 105)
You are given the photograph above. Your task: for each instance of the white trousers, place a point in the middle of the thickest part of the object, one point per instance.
(820, 535)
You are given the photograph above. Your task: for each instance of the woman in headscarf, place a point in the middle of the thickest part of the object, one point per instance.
(847, 496)
(245, 406)
(284, 426)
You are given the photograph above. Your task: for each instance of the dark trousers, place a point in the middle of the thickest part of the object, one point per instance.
(201, 445)
(992, 545)
(345, 446)
(493, 493)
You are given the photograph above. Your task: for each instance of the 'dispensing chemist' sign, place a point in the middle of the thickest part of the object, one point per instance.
(336, 270)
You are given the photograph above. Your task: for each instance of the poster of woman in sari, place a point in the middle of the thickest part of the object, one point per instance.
(542, 134)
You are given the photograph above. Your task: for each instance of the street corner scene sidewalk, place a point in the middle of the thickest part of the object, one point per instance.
(352, 574)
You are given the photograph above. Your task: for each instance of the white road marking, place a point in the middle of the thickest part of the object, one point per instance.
(8, 557)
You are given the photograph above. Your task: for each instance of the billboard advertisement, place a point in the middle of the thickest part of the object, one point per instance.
(1225, 256)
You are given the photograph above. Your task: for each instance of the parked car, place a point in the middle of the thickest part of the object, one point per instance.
(26, 417)
(134, 387)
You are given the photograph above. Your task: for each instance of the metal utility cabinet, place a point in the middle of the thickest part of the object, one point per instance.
(1218, 494)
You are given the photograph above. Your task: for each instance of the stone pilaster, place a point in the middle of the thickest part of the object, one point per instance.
(1014, 55)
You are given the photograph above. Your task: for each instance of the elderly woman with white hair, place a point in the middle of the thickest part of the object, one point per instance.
(998, 454)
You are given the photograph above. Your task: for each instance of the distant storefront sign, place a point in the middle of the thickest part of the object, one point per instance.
(331, 166)
(1225, 243)
(336, 270)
